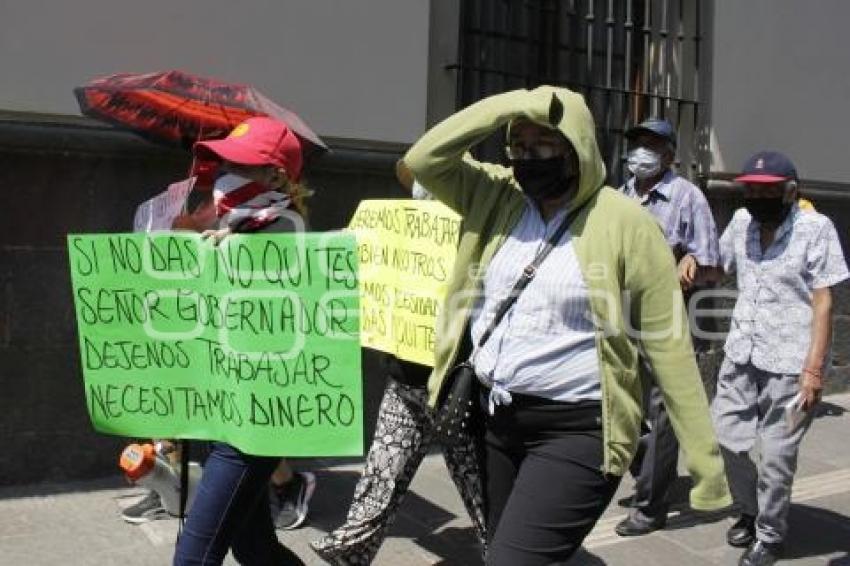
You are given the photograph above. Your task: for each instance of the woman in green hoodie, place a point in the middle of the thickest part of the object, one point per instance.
(560, 393)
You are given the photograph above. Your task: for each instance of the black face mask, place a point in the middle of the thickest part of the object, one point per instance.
(770, 211)
(543, 179)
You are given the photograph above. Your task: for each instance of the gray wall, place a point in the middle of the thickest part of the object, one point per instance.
(350, 69)
(781, 80)
(353, 70)
(443, 41)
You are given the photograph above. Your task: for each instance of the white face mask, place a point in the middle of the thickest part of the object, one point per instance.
(643, 163)
(229, 182)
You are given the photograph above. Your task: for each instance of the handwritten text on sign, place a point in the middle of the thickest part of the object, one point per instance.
(254, 342)
(406, 250)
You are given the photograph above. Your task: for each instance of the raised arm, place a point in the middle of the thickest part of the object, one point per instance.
(439, 160)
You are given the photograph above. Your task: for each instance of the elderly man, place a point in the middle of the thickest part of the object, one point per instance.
(685, 217)
(786, 262)
(558, 369)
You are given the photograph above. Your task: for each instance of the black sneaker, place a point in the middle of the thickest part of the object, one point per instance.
(639, 523)
(290, 502)
(148, 509)
(743, 532)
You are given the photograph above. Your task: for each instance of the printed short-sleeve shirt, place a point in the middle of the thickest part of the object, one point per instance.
(771, 324)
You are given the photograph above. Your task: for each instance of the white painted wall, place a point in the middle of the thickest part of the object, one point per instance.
(782, 81)
(354, 69)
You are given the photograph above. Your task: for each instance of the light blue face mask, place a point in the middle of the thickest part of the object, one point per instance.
(643, 163)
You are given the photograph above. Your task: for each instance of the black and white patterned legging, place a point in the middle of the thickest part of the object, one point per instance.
(402, 437)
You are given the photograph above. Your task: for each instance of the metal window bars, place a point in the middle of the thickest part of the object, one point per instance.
(631, 59)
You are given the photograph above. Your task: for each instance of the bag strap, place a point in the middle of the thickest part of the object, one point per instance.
(184, 482)
(527, 275)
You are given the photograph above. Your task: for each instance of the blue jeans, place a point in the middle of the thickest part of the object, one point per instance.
(231, 512)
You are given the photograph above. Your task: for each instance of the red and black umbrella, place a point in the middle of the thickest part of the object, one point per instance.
(174, 106)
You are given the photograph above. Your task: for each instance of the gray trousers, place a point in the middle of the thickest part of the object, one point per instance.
(748, 413)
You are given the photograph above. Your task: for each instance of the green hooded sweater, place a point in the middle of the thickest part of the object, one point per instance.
(630, 272)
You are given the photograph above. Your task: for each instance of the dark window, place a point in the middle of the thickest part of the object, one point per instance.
(631, 59)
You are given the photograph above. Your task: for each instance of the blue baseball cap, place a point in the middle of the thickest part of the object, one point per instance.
(655, 127)
(767, 167)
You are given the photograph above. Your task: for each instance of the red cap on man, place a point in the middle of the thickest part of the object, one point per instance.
(257, 141)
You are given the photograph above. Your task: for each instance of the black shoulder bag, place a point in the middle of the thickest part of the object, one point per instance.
(455, 404)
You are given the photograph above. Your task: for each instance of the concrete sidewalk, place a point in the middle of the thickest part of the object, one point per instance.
(79, 524)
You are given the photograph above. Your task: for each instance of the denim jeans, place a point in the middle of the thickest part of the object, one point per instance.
(231, 512)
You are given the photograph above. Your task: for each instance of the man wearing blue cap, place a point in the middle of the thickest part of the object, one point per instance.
(777, 350)
(689, 229)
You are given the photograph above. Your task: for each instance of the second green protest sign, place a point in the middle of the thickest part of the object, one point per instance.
(254, 342)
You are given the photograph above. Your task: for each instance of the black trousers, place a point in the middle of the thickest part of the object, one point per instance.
(654, 465)
(544, 482)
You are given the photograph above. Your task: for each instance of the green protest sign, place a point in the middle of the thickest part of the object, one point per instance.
(254, 342)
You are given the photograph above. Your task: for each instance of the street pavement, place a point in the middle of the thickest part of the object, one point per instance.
(79, 523)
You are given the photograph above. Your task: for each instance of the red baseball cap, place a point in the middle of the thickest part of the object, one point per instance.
(257, 141)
